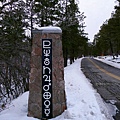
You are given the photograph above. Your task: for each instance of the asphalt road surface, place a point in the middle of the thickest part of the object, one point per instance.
(105, 79)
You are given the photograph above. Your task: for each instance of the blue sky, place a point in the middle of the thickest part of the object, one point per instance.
(96, 12)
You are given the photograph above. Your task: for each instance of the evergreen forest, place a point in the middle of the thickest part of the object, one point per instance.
(17, 20)
(107, 40)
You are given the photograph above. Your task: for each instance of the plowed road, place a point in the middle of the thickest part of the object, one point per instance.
(105, 79)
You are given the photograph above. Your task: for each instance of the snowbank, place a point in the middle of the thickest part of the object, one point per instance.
(83, 102)
(109, 60)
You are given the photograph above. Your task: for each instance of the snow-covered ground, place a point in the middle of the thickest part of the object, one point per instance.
(109, 60)
(83, 102)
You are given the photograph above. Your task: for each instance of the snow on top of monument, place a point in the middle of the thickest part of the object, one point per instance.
(50, 29)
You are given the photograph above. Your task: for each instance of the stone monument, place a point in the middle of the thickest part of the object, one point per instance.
(46, 87)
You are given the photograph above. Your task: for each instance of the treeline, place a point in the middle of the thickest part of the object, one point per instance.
(17, 17)
(14, 50)
(107, 41)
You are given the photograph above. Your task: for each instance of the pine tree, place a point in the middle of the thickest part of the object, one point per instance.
(47, 12)
(109, 34)
(14, 50)
(72, 26)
